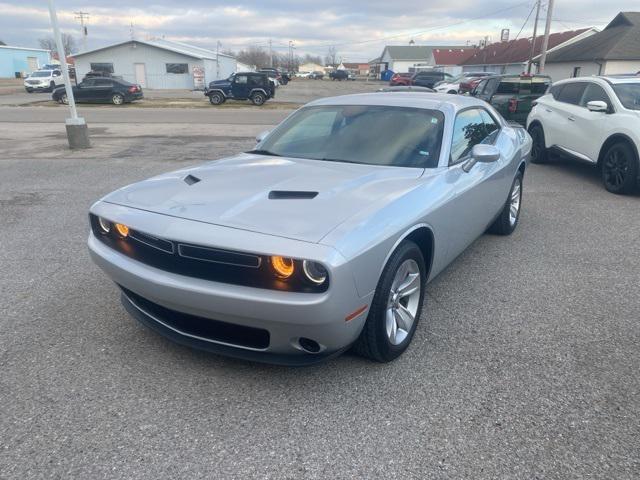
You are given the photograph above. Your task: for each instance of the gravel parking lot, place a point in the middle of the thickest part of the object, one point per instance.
(525, 363)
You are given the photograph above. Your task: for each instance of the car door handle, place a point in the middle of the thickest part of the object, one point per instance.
(571, 119)
(548, 110)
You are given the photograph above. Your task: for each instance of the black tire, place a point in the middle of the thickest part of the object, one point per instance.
(216, 98)
(117, 99)
(373, 342)
(52, 87)
(63, 99)
(539, 152)
(29, 90)
(452, 92)
(258, 99)
(504, 225)
(619, 169)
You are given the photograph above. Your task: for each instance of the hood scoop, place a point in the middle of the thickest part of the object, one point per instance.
(190, 180)
(291, 195)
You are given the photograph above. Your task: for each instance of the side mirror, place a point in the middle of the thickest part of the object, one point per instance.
(597, 106)
(262, 135)
(481, 153)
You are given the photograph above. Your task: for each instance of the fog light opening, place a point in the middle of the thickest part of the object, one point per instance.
(123, 230)
(308, 345)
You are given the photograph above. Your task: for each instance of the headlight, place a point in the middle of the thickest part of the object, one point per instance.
(314, 272)
(123, 230)
(283, 266)
(105, 225)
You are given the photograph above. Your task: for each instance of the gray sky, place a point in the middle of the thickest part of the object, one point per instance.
(358, 28)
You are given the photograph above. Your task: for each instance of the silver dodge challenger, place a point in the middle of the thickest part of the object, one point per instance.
(324, 236)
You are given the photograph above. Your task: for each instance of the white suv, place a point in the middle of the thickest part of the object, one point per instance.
(596, 119)
(43, 80)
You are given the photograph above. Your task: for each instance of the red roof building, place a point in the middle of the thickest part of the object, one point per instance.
(512, 56)
(453, 56)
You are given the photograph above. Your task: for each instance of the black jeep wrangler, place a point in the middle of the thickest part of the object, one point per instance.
(242, 86)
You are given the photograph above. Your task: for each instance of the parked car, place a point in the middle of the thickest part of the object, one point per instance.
(512, 95)
(468, 85)
(254, 86)
(452, 85)
(316, 75)
(43, 81)
(101, 90)
(323, 236)
(302, 74)
(406, 88)
(339, 75)
(595, 119)
(275, 75)
(399, 79)
(429, 78)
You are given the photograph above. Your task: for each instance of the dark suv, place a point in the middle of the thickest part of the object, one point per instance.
(512, 95)
(242, 86)
(429, 79)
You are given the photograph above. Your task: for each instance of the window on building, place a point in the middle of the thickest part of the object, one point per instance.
(102, 67)
(576, 72)
(177, 67)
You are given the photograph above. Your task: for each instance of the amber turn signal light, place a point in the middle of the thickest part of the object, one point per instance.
(123, 230)
(283, 266)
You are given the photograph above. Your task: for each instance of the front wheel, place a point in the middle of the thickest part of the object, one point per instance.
(507, 221)
(258, 99)
(539, 153)
(396, 307)
(216, 98)
(117, 99)
(63, 99)
(620, 169)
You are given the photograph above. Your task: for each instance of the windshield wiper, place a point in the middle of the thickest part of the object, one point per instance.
(339, 160)
(264, 152)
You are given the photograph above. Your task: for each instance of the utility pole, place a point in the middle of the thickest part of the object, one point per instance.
(77, 132)
(533, 40)
(218, 60)
(545, 43)
(290, 55)
(270, 54)
(82, 16)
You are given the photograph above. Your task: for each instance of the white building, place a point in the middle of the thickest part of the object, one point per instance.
(310, 67)
(160, 64)
(409, 58)
(614, 50)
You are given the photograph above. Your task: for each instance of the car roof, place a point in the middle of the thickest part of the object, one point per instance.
(610, 79)
(426, 100)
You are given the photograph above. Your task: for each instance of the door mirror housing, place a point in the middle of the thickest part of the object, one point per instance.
(597, 106)
(262, 135)
(481, 153)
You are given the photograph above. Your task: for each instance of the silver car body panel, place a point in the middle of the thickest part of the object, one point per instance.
(360, 215)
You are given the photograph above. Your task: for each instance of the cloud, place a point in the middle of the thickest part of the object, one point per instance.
(358, 28)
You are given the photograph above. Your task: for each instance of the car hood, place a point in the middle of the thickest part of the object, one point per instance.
(219, 83)
(271, 195)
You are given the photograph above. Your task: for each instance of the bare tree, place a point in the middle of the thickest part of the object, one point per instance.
(332, 55)
(68, 43)
(312, 59)
(254, 56)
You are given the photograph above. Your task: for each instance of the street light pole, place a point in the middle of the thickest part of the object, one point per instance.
(77, 132)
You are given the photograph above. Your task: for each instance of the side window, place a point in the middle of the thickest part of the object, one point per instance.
(89, 82)
(491, 127)
(241, 79)
(555, 91)
(468, 131)
(255, 81)
(594, 92)
(492, 83)
(572, 93)
(480, 87)
(508, 87)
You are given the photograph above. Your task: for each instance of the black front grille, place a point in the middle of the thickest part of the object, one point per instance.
(207, 263)
(206, 328)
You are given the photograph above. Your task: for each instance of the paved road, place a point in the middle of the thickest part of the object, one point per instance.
(105, 114)
(525, 364)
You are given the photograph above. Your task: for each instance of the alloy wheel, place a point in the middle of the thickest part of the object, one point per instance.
(615, 169)
(117, 100)
(514, 202)
(403, 301)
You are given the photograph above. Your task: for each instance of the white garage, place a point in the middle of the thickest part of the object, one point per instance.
(158, 64)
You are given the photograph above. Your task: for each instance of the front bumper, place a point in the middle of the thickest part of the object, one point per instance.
(38, 86)
(286, 316)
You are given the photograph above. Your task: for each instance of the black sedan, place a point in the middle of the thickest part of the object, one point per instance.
(101, 90)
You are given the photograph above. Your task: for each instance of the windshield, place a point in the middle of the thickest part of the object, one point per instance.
(628, 94)
(41, 73)
(374, 135)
